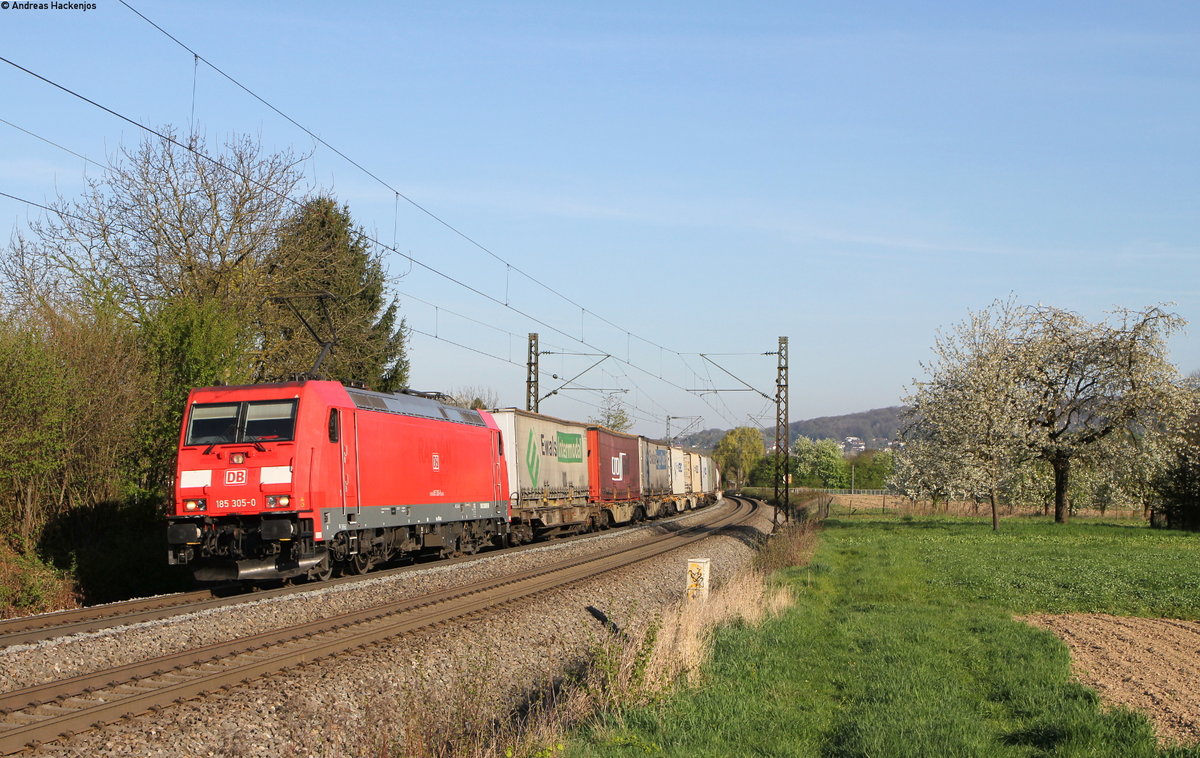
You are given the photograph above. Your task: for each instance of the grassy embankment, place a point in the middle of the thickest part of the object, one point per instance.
(902, 642)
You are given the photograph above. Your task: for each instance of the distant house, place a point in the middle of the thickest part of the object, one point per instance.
(852, 445)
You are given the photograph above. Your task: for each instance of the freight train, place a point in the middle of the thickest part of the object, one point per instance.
(307, 478)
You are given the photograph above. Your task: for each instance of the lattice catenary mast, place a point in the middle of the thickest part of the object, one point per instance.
(531, 375)
(782, 434)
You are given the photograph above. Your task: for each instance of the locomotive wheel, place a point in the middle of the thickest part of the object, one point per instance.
(322, 572)
(472, 544)
(357, 565)
(451, 550)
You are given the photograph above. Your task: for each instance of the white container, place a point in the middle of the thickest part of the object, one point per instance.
(656, 467)
(679, 471)
(546, 456)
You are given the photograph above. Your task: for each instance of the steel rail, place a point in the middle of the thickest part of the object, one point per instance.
(45, 713)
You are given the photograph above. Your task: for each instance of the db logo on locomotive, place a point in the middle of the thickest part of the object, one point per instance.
(235, 476)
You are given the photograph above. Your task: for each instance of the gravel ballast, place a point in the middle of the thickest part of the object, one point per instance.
(351, 704)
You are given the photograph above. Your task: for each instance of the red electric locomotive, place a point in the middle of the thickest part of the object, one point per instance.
(302, 478)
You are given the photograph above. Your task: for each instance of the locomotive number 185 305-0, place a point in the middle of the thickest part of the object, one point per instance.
(246, 502)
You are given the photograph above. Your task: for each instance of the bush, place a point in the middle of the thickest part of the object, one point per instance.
(117, 550)
(29, 585)
(1179, 488)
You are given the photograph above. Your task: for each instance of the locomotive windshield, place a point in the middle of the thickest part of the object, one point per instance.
(251, 421)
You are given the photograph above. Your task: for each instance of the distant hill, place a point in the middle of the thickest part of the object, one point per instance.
(880, 423)
(877, 424)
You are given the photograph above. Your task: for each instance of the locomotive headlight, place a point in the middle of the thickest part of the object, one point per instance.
(195, 505)
(278, 501)
(237, 458)
(284, 501)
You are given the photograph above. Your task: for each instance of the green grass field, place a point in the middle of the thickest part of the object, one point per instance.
(902, 643)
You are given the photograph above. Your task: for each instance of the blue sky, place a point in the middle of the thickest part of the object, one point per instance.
(707, 176)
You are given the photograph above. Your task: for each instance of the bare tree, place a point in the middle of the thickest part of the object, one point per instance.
(475, 396)
(163, 223)
(612, 415)
(173, 249)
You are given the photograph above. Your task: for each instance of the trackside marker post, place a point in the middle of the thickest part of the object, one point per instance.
(697, 579)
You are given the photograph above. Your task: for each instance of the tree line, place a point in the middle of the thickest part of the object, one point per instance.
(744, 461)
(169, 272)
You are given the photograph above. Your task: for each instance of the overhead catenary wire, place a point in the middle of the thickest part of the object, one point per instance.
(645, 416)
(39, 205)
(384, 183)
(52, 143)
(171, 140)
(412, 259)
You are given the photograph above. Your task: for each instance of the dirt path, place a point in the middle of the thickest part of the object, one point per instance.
(1151, 665)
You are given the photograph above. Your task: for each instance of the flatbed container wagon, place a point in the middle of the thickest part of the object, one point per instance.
(679, 472)
(614, 465)
(547, 473)
(656, 478)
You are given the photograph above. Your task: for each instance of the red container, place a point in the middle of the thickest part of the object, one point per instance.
(614, 465)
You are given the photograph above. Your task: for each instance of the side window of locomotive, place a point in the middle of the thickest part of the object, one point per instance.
(333, 424)
(273, 421)
(212, 424)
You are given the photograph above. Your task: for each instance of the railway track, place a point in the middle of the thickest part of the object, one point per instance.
(33, 629)
(47, 712)
(29, 629)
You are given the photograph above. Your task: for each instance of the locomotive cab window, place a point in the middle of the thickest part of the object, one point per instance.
(333, 424)
(213, 424)
(270, 421)
(232, 423)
